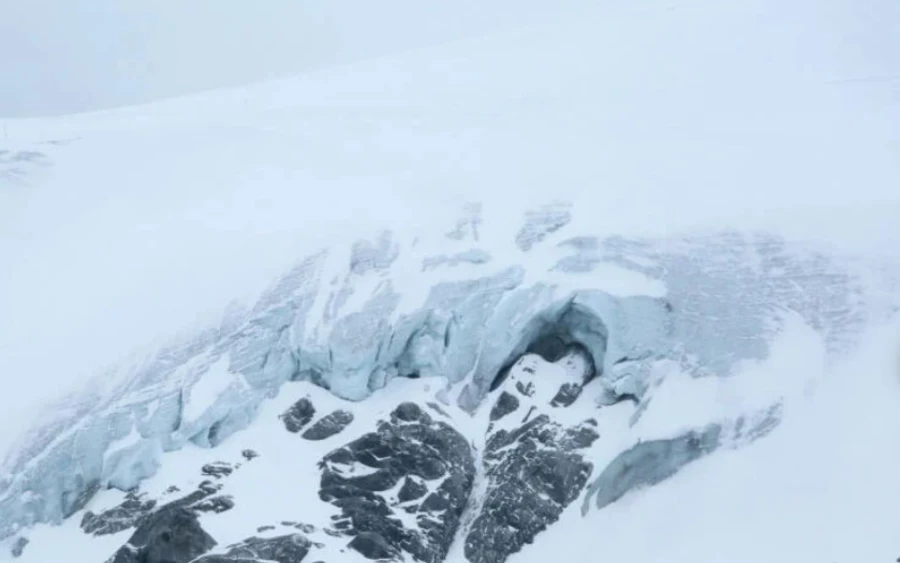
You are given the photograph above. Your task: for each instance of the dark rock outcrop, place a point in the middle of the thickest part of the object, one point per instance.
(217, 469)
(299, 415)
(412, 489)
(169, 535)
(249, 454)
(506, 404)
(533, 471)
(205, 499)
(291, 548)
(567, 394)
(217, 504)
(329, 425)
(136, 507)
(410, 447)
(373, 546)
(125, 515)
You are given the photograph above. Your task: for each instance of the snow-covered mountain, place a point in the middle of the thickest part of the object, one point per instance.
(386, 402)
(589, 289)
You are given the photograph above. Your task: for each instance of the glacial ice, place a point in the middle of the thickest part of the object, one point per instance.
(651, 462)
(339, 319)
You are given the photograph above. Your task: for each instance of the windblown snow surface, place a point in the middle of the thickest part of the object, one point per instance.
(622, 286)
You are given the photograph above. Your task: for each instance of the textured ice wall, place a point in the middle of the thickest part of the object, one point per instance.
(651, 462)
(346, 320)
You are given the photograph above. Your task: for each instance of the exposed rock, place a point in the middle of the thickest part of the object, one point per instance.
(262, 529)
(305, 528)
(291, 548)
(567, 394)
(329, 425)
(533, 471)
(203, 500)
(204, 490)
(217, 504)
(121, 517)
(526, 389)
(373, 546)
(18, 546)
(506, 404)
(410, 446)
(299, 415)
(249, 454)
(135, 507)
(217, 469)
(412, 489)
(169, 535)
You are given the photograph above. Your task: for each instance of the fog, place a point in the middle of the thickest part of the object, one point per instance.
(64, 56)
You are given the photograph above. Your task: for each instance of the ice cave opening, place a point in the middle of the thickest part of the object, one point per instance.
(559, 332)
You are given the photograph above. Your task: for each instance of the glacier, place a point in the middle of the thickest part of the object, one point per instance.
(352, 319)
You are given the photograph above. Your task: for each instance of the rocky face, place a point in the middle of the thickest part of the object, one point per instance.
(205, 499)
(217, 469)
(299, 415)
(535, 473)
(136, 506)
(411, 469)
(533, 465)
(329, 425)
(173, 534)
(170, 535)
(405, 491)
(121, 517)
(282, 549)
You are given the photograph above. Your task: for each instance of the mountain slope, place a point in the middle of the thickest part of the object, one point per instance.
(654, 357)
(680, 313)
(758, 121)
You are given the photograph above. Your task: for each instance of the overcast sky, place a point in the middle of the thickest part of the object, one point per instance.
(65, 56)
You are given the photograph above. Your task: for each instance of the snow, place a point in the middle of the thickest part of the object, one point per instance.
(821, 487)
(727, 157)
(196, 202)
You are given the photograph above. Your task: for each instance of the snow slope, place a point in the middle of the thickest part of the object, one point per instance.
(673, 129)
(746, 123)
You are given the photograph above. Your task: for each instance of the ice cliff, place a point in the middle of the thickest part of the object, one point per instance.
(352, 319)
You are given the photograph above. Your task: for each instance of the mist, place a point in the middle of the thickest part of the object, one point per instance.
(60, 57)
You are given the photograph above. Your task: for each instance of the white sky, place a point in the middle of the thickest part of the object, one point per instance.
(63, 56)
